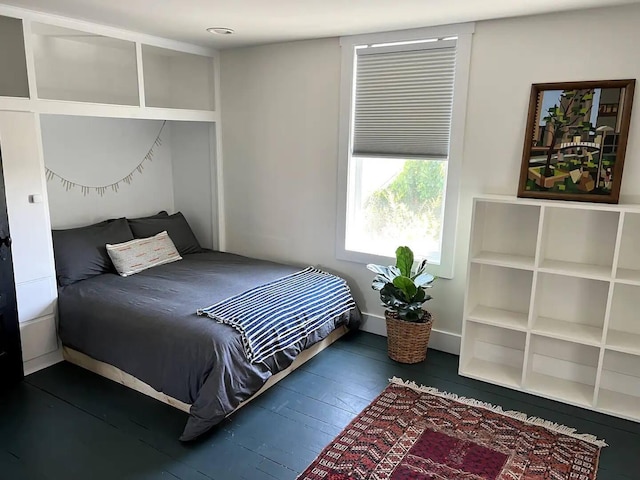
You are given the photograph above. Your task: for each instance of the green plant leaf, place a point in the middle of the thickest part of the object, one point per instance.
(406, 286)
(404, 260)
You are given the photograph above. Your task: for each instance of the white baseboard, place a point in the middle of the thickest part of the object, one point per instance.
(439, 339)
(38, 363)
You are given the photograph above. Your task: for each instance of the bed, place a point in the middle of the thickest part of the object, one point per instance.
(143, 330)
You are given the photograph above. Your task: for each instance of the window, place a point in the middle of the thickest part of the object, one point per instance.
(403, 103)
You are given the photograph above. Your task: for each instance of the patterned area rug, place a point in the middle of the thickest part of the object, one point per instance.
(419, 433)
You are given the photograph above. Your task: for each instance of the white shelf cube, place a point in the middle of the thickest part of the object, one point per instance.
(499, 295)
(505, 232)
(629, 261)
(561, 370)
(493, 353)
(620, 385)
(570, 308)
(624, 319)
(579, 241)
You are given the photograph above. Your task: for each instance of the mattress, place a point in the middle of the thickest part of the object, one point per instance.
(147, 326)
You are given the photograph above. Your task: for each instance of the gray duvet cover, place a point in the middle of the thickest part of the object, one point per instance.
(147, 326)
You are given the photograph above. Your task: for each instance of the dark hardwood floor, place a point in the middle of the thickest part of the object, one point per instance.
(66, 423)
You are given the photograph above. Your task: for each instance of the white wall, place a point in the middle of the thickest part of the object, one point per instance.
(280, 134)
(99, 151)
(192, 178)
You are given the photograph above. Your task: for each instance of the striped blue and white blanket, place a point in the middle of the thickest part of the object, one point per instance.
(274, 316)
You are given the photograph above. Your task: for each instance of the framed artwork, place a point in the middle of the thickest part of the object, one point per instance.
(575, 141)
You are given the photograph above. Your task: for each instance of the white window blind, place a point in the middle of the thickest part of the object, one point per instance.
(403, 100)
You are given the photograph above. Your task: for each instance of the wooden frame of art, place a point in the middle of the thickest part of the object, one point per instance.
(576, 140)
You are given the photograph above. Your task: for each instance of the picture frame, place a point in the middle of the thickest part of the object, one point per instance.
(576, 140)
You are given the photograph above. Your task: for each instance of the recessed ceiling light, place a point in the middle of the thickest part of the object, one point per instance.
(221, 30)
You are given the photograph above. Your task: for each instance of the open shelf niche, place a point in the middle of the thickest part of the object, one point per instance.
(620, 384)
(84, 67)
(175, 79)
(570, 308)
(493, 352)
(562, 370)
(13, 80)
(64, 67)
(624, 321)
(579, 241)
(505, 234)
(629, 261)
(499, 296)
(53, 65)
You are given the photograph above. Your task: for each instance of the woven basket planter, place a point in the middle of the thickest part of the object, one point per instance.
(407, 341)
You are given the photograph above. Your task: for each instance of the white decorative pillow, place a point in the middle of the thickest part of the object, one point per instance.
(138, 255)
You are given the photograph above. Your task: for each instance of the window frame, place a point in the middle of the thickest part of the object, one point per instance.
(346, 167)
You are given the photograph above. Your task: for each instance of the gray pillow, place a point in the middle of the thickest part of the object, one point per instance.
(175, 225)
(160, 214)
(81, 253)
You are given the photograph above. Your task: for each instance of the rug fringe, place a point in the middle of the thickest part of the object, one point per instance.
(555, 427)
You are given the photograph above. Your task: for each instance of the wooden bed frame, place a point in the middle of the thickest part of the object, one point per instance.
(119, 376)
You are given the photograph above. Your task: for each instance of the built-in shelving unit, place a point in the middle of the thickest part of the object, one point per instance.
(62, 66)
(552, 301)
(51, 65)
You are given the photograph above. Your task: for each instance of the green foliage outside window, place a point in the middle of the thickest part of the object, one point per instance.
(410, 201)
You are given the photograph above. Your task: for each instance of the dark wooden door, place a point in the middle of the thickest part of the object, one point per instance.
(10, 347)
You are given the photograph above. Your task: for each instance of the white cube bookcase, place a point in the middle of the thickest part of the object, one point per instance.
(552, 301)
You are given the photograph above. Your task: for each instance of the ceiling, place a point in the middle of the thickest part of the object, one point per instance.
(270, 21)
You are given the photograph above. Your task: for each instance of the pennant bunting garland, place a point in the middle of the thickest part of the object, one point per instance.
(115, 186)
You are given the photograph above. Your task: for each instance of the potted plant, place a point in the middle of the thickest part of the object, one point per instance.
(403, 293)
